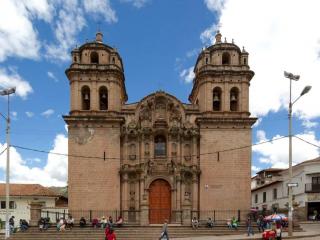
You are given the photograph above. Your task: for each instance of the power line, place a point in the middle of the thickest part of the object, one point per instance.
(307, 142)
(148, 158)
(3, 151)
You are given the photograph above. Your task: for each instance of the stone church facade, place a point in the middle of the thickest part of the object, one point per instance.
(159, 158)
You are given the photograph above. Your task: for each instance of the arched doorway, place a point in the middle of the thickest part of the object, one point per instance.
(159, 201)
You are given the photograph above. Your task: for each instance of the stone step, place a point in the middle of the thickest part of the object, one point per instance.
(124, 233)
(131, 233)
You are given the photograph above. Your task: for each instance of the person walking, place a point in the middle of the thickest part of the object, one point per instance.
(249, 227)
(278, 230)
(164, 233)
(11, 224)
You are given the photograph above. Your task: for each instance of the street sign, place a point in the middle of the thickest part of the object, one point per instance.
(292, 184)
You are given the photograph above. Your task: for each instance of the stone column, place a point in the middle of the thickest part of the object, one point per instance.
(142, 194)
(194, 150)
(125, 194)
(144, 214)
(179, 150)
(35, 213)
(195, 192)
(178, 199)
(94, 96)
(178, 192)
(186, 213)
(136, 195)
(125, 150)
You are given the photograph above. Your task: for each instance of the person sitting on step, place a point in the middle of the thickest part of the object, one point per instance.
(110, 222)
(23, 225)
(229, 223)
(234, 223)
(82, 222)
(95, 223)
(41, 224)
(70, 222)
(103, 222)
(61, 225)
(210, 223)
(194, 223)
(119, 221)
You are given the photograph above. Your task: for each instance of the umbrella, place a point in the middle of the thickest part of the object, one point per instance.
(276, 217)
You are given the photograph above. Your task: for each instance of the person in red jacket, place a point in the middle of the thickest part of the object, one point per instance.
(106, 232)
(111, 235)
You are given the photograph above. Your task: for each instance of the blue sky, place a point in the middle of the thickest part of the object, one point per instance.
(159, 42)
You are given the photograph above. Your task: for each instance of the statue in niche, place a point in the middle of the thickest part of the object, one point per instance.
(132, 129)
(146, 148)
(150, 167)
(174, 149)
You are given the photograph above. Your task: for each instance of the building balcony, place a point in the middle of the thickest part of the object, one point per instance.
(312, 188)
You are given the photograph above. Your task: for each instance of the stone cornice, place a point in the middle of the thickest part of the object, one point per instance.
(226, 121)
(92, 119)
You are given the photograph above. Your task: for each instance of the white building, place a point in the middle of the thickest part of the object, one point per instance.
(21, 195)
(269, 188)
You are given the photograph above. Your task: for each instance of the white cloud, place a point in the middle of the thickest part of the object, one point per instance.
(276, 153)
(309, 124)
(101, 7)
(14, 115)
(255, 169)
(12, 79)
(30, 114)
(70, 22)
(54, 173)
(136, 3)
(18, 36)
(187, 75)
(192, 53)
(214, 5)
(261, 135)
(52, 76)
(277, 39)
(47, 113)
(207, 36)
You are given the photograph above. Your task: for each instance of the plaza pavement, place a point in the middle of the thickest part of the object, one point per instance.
(311, 231)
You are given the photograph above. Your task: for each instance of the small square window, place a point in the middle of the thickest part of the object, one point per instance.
(12, 205)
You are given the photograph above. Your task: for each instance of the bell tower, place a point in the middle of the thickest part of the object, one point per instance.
(98, 93)
(221, 93)
(222, 80)
(96, 78)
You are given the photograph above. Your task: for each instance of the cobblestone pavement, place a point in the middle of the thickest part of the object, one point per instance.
(310, 229)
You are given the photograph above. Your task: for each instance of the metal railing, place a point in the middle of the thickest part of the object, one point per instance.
(220, 215)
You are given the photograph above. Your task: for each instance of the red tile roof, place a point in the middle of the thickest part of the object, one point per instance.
(27, 190)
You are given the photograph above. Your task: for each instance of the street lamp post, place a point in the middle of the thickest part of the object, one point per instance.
(7, 92)
(290, 200)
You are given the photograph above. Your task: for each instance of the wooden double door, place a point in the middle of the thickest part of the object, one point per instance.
(159, 201)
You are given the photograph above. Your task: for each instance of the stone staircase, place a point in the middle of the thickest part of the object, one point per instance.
(124, 233)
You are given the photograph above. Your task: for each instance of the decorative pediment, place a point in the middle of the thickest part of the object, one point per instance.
(160, 107)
